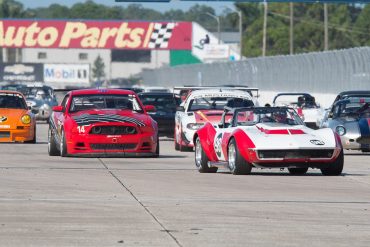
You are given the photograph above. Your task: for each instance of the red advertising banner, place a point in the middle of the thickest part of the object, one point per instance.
(95, 34)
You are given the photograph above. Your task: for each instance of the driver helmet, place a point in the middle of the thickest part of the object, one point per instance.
(280, 117)
(40, 95)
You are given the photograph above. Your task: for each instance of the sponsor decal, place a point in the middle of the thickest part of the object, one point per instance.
(4, 126)
(95, 34)
(317, 142)
(3, 119)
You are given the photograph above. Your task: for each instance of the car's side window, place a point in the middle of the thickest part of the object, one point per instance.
(64, 102)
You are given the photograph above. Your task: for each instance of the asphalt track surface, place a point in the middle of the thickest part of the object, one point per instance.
(54, 201)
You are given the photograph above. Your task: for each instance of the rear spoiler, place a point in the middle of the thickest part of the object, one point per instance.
(251, 90)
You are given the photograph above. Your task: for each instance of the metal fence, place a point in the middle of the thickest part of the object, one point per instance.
(317, 72)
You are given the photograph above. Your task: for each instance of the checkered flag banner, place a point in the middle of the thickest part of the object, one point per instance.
(161, 34)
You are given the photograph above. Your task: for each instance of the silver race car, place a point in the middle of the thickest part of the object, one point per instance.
(40, 99)
(350, 118)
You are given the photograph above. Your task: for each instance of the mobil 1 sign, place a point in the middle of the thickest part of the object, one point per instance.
(73, 73)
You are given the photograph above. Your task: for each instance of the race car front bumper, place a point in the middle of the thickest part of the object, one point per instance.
(16, 135)
(136, 145)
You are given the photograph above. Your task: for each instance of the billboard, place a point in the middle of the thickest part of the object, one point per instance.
(67, 73)
(95, 34)
(21, 72)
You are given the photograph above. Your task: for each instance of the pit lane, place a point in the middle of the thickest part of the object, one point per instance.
(54, 201)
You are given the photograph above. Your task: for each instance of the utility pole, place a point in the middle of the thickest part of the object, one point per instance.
(218, 26)
(326, 39)
(240, 34)
(264, 28)
(291, 37)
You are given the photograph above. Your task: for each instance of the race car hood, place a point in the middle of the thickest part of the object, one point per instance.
(120, 116)
(11, 117)
(203, 116)
(282, 136)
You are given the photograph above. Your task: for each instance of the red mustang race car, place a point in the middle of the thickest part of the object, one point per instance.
(98, 122)
(266, 137)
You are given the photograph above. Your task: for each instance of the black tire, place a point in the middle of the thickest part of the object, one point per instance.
(177, 146)
(237, 164)
(156, 154)
(335, 168)
(298, 171)
(52, 146)
(63, 145)
(33, 140)
(201, 159)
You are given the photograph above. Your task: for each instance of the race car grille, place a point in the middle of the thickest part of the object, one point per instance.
(113, 146)
(113, 130)
(295, 154)
(4, 134)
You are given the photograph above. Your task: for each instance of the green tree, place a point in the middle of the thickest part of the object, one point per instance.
(98, 68)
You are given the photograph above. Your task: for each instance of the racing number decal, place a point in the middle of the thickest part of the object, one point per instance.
(218, 148)
(81, 129)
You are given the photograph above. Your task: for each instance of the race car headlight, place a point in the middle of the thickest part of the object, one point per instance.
(340, 130)
(26, 119)
(194, 126)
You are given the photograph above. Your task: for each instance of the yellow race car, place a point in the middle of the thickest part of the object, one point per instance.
(17, 123)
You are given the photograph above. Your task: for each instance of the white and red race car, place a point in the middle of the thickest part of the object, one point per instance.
(307, 108)
(266, 137)
(203, 106)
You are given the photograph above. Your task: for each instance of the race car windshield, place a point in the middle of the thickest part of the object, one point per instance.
(161, 103)
(267, 115)
(353, 109)
(217, 103)
(12, 101)
(119, 102)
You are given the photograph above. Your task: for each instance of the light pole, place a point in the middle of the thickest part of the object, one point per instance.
(240, 14)
(218, 25)
(264, 28)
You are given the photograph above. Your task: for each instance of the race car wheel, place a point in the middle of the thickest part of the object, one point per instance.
(156, 154)
(298, 171)
(237, 164)
(201, 159)
(335, 168)
(63, 145)
(177, 146)
(52, 146)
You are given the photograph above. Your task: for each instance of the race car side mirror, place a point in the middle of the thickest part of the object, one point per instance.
(180, 108)
(58, 108)
(150, 108)
(330, 115)
(29, 107)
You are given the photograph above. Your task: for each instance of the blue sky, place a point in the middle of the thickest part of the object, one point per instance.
(218, 6)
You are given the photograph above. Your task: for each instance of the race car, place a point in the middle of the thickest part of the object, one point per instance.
(165, 104)
(350, 119)
(102, 122)
(266, 137)
(203, 106)
(306, 106)
(17, 123)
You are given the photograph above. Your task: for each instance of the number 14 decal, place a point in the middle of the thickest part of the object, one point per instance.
(81, 129)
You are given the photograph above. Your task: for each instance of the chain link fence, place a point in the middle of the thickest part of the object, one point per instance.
(319, 72)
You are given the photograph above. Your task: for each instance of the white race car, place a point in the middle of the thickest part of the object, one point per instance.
(266, 137)
(304, 104)
(203, 106)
